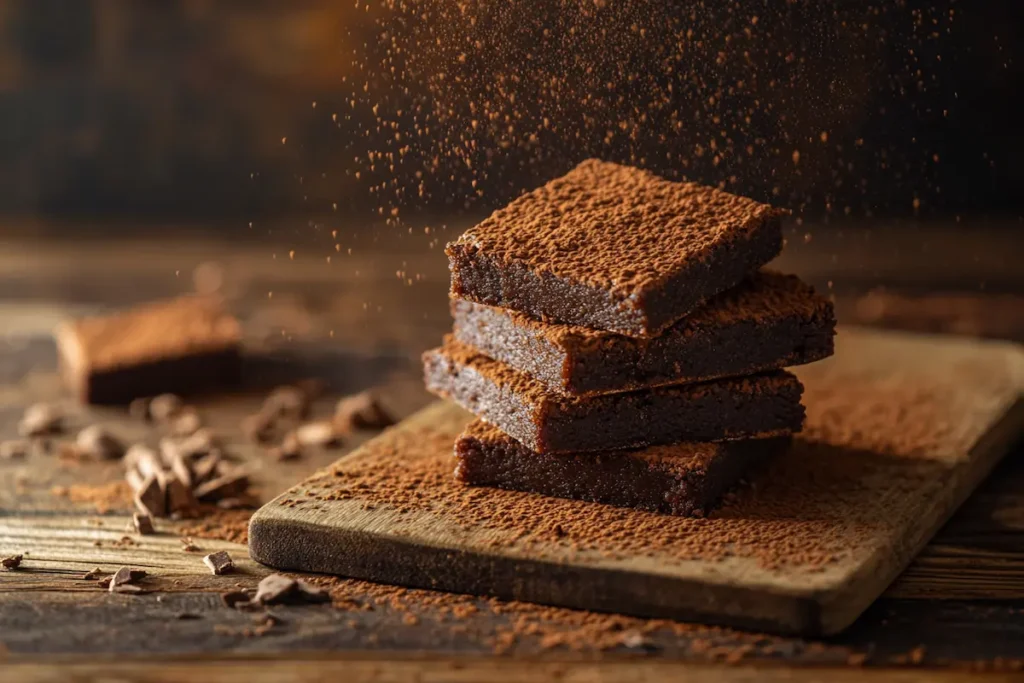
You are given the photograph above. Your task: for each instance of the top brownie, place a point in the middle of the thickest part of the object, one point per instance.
(613, 248)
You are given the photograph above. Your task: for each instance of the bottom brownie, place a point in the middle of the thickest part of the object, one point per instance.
(683, 479)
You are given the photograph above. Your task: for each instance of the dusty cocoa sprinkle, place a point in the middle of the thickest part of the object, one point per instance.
(226, 525)
(116, 495)
(507, 625)
(869, 442)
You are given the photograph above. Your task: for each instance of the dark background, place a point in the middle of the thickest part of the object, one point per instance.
(204, 110)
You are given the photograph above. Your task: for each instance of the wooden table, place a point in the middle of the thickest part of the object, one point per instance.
(361, 321)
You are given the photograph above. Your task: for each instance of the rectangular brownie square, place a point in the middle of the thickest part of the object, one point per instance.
(769, 321)
(767, 404)
(182, 345)
(684, 479)
(613, 248)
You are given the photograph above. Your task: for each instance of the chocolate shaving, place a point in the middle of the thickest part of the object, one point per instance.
(12, 562)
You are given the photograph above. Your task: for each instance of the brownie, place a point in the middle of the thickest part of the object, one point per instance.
(683, 479)
(770, 321)
(613, 248)
(767, 404)
(182, 345)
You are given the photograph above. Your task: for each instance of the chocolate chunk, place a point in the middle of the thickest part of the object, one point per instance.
(123, 577)
(280, 589)
(143, 524)
(613, 248)
(275, 588)
(41, 419)
(12, 562)
(770, 321)
(180, 499)
(225, 486)
(219, 563)
(683, 479)
(99, 443)
(760, 405)
(151, 498)
(362, 411)
(14, 450)
(182, 345)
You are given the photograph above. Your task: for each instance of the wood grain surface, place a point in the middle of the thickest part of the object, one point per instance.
(355, 323)
(862, 406)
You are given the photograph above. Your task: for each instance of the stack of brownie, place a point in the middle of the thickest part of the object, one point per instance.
(617, 340)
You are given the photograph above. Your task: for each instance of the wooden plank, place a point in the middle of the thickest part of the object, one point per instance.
(458, 670)
(923, 420)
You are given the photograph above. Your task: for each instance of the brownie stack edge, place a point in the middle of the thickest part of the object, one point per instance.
(617, 341)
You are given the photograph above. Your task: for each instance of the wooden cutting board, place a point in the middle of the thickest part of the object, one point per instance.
(900, 429)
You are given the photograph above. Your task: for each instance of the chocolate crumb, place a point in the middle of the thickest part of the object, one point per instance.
(275, 588)
(362, 411)
(187, 616)
(93, 574)
(12, 562)
(143, 524)
(219, 563)
(188, 546)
